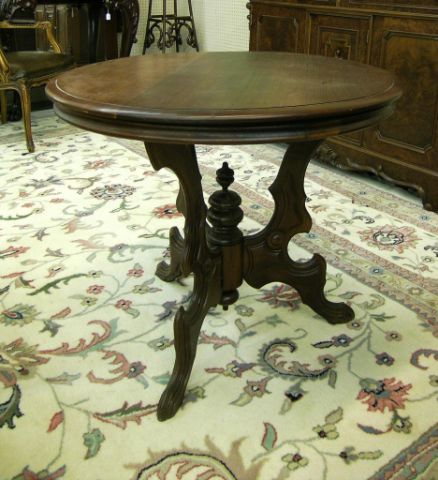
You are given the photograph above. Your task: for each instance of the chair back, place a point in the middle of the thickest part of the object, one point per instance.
(16, 12)
(21, 66)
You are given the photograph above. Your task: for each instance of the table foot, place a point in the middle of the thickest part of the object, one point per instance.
(266, 257)
(187, 325)
(309, 279)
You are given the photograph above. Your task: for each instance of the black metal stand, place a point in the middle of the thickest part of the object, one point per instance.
(165, 28)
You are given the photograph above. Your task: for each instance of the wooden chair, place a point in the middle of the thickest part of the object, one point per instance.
(22, 70)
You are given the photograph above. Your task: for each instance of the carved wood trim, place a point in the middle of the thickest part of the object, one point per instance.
(387, 36)
(266, 257)
(191, 255)
(326, 154)
(181, 159)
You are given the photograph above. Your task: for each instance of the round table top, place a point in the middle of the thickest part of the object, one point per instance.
(224, 97)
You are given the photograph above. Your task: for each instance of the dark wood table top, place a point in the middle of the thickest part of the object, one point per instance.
(233, 97)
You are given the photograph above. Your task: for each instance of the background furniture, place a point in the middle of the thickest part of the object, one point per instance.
(20, 71)
(165, 27)
(228, 98)
(80, 28)
(86, 29)
(398, 35)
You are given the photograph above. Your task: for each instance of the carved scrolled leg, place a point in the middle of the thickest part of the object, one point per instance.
(181, 159)
(187, 325)
(266, 257)
(168, 272)
(190, 254)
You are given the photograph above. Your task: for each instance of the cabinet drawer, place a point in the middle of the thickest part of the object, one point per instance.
(342, 36)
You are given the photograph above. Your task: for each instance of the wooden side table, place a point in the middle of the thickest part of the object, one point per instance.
(228, 98)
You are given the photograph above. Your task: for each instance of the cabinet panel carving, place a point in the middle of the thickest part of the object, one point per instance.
(339, 36)
(336, 43)
(410, 49)
(422, 96)
(343, 37)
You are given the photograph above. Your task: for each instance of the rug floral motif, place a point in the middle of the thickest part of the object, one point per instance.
(86, 338)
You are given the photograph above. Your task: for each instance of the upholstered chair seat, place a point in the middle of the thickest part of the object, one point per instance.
(32, 65)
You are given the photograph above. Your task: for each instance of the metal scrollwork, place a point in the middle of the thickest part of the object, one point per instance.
(166, 37)
(191, 34)
(165, 30)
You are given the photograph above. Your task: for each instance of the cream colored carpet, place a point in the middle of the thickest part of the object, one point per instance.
(276, 392)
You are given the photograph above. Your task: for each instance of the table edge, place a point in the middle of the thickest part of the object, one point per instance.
(227, 133)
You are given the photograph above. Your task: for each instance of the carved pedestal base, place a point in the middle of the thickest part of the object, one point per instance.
(220, 257)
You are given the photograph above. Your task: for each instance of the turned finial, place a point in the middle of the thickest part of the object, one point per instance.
(224, 213)
(225, 176)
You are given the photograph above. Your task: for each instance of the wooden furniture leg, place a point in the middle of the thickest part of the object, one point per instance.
(181, 159)
(130, 12)
(266, 257)
(26, 112)
(94, 11)
(180, 265)
(3, 107)
(190, 254)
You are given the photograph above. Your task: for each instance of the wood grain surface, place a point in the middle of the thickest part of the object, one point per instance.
(207, 96)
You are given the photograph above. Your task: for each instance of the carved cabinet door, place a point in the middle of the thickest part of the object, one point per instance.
(409, 48)
(278, 29)
(341, 36)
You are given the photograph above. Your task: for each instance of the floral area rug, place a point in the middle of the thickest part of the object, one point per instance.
(86, 338)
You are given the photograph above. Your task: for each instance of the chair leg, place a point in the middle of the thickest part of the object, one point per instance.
(3, 107)
(25, 107)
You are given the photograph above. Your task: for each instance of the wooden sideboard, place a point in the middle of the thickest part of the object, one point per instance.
(398, 35)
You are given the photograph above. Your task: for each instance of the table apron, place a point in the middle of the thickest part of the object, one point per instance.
(225, 134)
